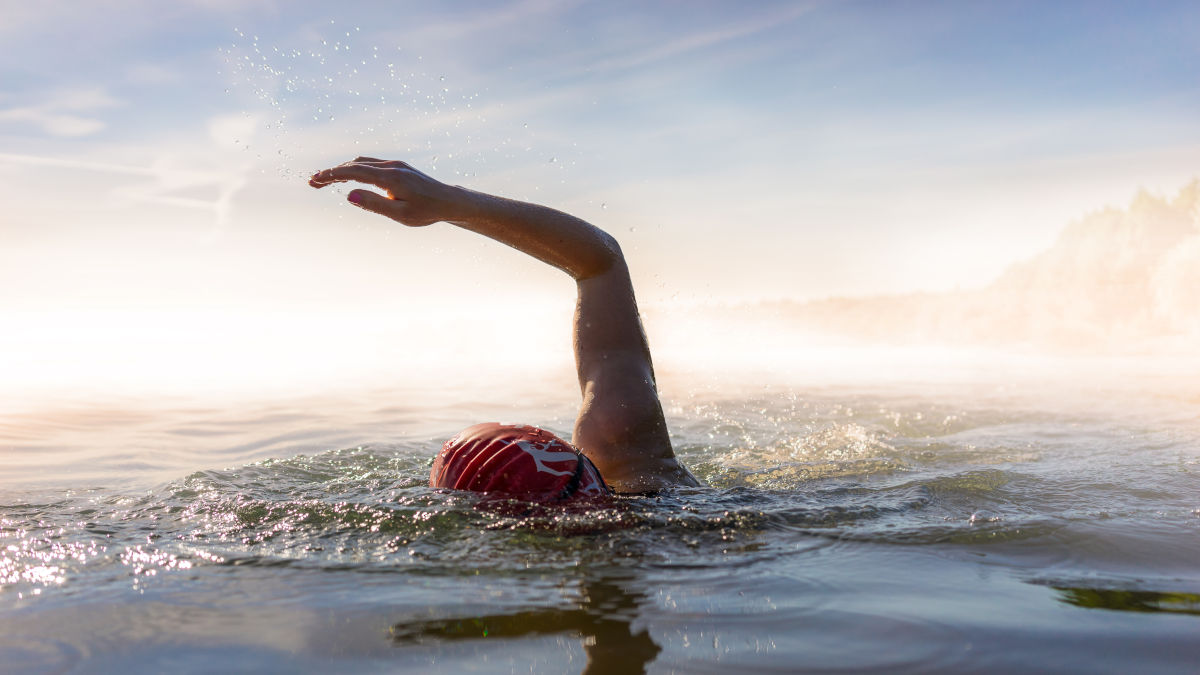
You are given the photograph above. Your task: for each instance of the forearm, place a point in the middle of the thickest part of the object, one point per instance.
(560, 239)
(415, 199)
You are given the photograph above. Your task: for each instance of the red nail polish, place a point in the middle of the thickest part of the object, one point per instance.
(354, 197)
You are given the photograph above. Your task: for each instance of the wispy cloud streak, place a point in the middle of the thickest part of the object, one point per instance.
(700, 41)
(83, 165)
(166, 178)
(60, 114)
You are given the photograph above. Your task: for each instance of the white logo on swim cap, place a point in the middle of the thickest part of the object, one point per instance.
(540, 454)
(591, 488)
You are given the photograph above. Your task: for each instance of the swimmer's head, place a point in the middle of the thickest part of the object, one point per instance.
(516, 461)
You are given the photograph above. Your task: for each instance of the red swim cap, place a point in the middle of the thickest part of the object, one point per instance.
(518, 461)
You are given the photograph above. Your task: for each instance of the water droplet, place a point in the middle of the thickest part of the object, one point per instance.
(604, 205)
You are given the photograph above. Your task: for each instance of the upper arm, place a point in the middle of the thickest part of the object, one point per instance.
(608, 331)
(621, 426)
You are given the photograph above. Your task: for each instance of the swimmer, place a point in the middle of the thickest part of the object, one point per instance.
(620, 441)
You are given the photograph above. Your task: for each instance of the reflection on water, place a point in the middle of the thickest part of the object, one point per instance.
(1131, 601)
(603, 618)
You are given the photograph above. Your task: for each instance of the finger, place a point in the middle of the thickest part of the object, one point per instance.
(362, 173)
(384, 163)
(375, 202)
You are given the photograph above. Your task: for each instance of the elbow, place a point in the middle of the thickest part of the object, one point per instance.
(606, 256)
(611, 251)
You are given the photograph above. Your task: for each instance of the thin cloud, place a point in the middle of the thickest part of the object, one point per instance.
(63, 113)
(698, 41)
(487, 22)
(166, 178)
(83, 165)
(55, 124)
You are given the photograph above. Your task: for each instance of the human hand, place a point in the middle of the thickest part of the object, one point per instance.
(412, 199)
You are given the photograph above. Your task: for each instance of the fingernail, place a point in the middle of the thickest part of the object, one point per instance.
(355, 197)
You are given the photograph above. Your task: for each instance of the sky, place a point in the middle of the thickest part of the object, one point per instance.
(153, 157)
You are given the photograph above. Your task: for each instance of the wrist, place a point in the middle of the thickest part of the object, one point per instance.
(462, 205)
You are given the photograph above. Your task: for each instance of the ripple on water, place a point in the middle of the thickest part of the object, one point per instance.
(27, 654)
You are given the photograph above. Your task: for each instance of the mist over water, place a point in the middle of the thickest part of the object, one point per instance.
(1116, 281)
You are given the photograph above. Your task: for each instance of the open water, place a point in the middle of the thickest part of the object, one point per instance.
(988, 522)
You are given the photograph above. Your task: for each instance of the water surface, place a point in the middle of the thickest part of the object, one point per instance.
(979, 524)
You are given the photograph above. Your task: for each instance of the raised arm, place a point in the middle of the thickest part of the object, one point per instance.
(620, 425)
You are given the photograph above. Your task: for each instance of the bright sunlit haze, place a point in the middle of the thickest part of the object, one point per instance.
(946, 162)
